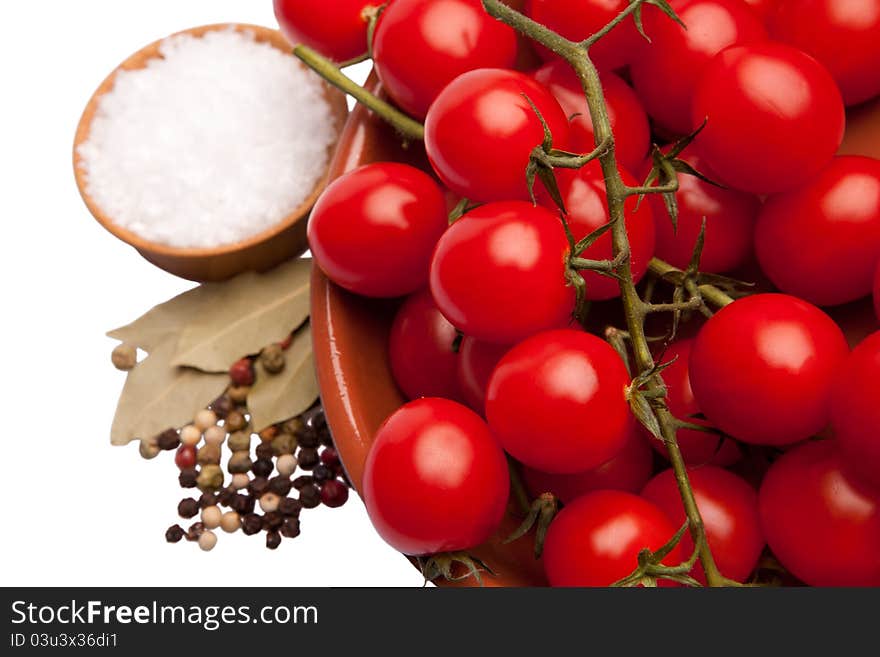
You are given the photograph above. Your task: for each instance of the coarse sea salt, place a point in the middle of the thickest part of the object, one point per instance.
(215, 141)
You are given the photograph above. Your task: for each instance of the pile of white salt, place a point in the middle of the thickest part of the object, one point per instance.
(213, 142)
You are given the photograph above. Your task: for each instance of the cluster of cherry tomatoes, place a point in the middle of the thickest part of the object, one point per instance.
(484, 342)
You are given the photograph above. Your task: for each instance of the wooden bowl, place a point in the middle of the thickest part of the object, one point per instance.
(260, 252)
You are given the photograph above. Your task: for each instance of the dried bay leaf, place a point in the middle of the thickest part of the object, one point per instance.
(166, 319)
(157, 395)
(278, 397)
(241, 316)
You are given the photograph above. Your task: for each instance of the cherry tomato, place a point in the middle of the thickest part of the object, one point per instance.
(819, 524)
(762, 8)
(435, 479)
(450, 37)
(855, 413)
(877, 291)
(596, 540)
(422, 349)
(372, 231)
(668, 68)
(628, 470)
(498, 273)
(842, 35)
(775, 117)
(697, 447)
(337, 30)
(481, 130)
(729, 508)
(762, 368)
(821, 241)
(578, 20)
(628, 120)
(556, 402)
(583, 192)
(476, 362)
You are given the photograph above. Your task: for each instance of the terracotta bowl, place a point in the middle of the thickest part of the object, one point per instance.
(351, 337)
(263, 251)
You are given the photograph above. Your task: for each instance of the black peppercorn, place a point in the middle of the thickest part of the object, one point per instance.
(272, 520)
(290, 528)
(273, 540)
(251, 523)
(239, 504)
(302, 481)
(195, 530)
(322, 473)
(188, 508)
(222, 406)
(310, 496)
(280, 485)
(262, 467)
(289, 507)
(168, 440)
(308, 458)
(265, 451)
(207, 499)
(326, 437)
(225, 496)
(314, 418)
(174, 534)
(187, 478)
(258, 486)
(308, 438)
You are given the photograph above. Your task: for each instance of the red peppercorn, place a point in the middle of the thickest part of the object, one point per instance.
(242, 372)
(334, 493)
(185, 457)
(330, 458)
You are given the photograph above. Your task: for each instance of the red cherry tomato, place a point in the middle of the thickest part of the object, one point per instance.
(762, 8)
(337, 30)
(729, 507)
(730, 223)
(372, 231)
(877, 291)
(578, 20)
(481, 130)
(775, 117)
(821, 241)
(697, 447)
(596, 540)
(628, 470)
(435, 479)
(422, 349)
(762, 368)
(476, 362)
(842, 35)
(556, 402)
(628, 120)
(855, 413)
(819, 524)
(448, 38)
(583, 192)
(668, 69)
(498, 273)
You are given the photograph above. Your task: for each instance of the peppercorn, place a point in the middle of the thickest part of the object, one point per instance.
(251, 523)
(272, 520)
(188, 478)
(310, 496)
(224, 497)
(334, 493)
(326, 437)
(258, 486)
(269, 502)
(174, 533)
(239, 463)
(286, 465)
(290, 528)
(207, 540)
(269, 433)
(239, 503)
(273, 540)
(230, 522)
(238, 394)
(242, 372)
(240, 480)
(168, 440)
(302, 481)
(293, 426)
(308, 458)
(330, 458)
(308, 438)
(235, 421)
(188, 508)
(215, 435)
(205, 419)
(272, 358)
(322, 473)
(185, 457)
(240, 441)
(124, 357)
(149, 449)
(210, 477)
(209, 454)
(284, 444)
(190, 435)
(211, 516)
(207, 499)
(264, 451)
(195, 530)
(262, 467)
(221, 406)
(289, 507)
(280, 485)
(314, 418)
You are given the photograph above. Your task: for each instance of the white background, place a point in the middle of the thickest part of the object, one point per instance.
(77, 511)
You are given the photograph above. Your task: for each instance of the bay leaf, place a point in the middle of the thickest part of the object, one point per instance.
(164, 320)
(243, 315)
(277, 397)
(157, 396)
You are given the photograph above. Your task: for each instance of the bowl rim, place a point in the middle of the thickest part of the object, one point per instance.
(137, 60)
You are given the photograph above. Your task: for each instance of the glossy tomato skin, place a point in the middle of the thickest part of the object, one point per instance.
(498, 273)
(820, 525)
(556, 402)
(628, 470)
(435, 479)
(775, 117)
(841, 35)
(729, 507)
(476, 362)
(877, 291)
(583, 192)
(855, 413)
(337, 30)
(578, 20)
(420, 46)
(596, 540)
(421, 348)
(762, 8)
(629, 123)
(762, 369)
(373, 230)
(821, 241)
(697, 447)
(480, 132)
(668, 69)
